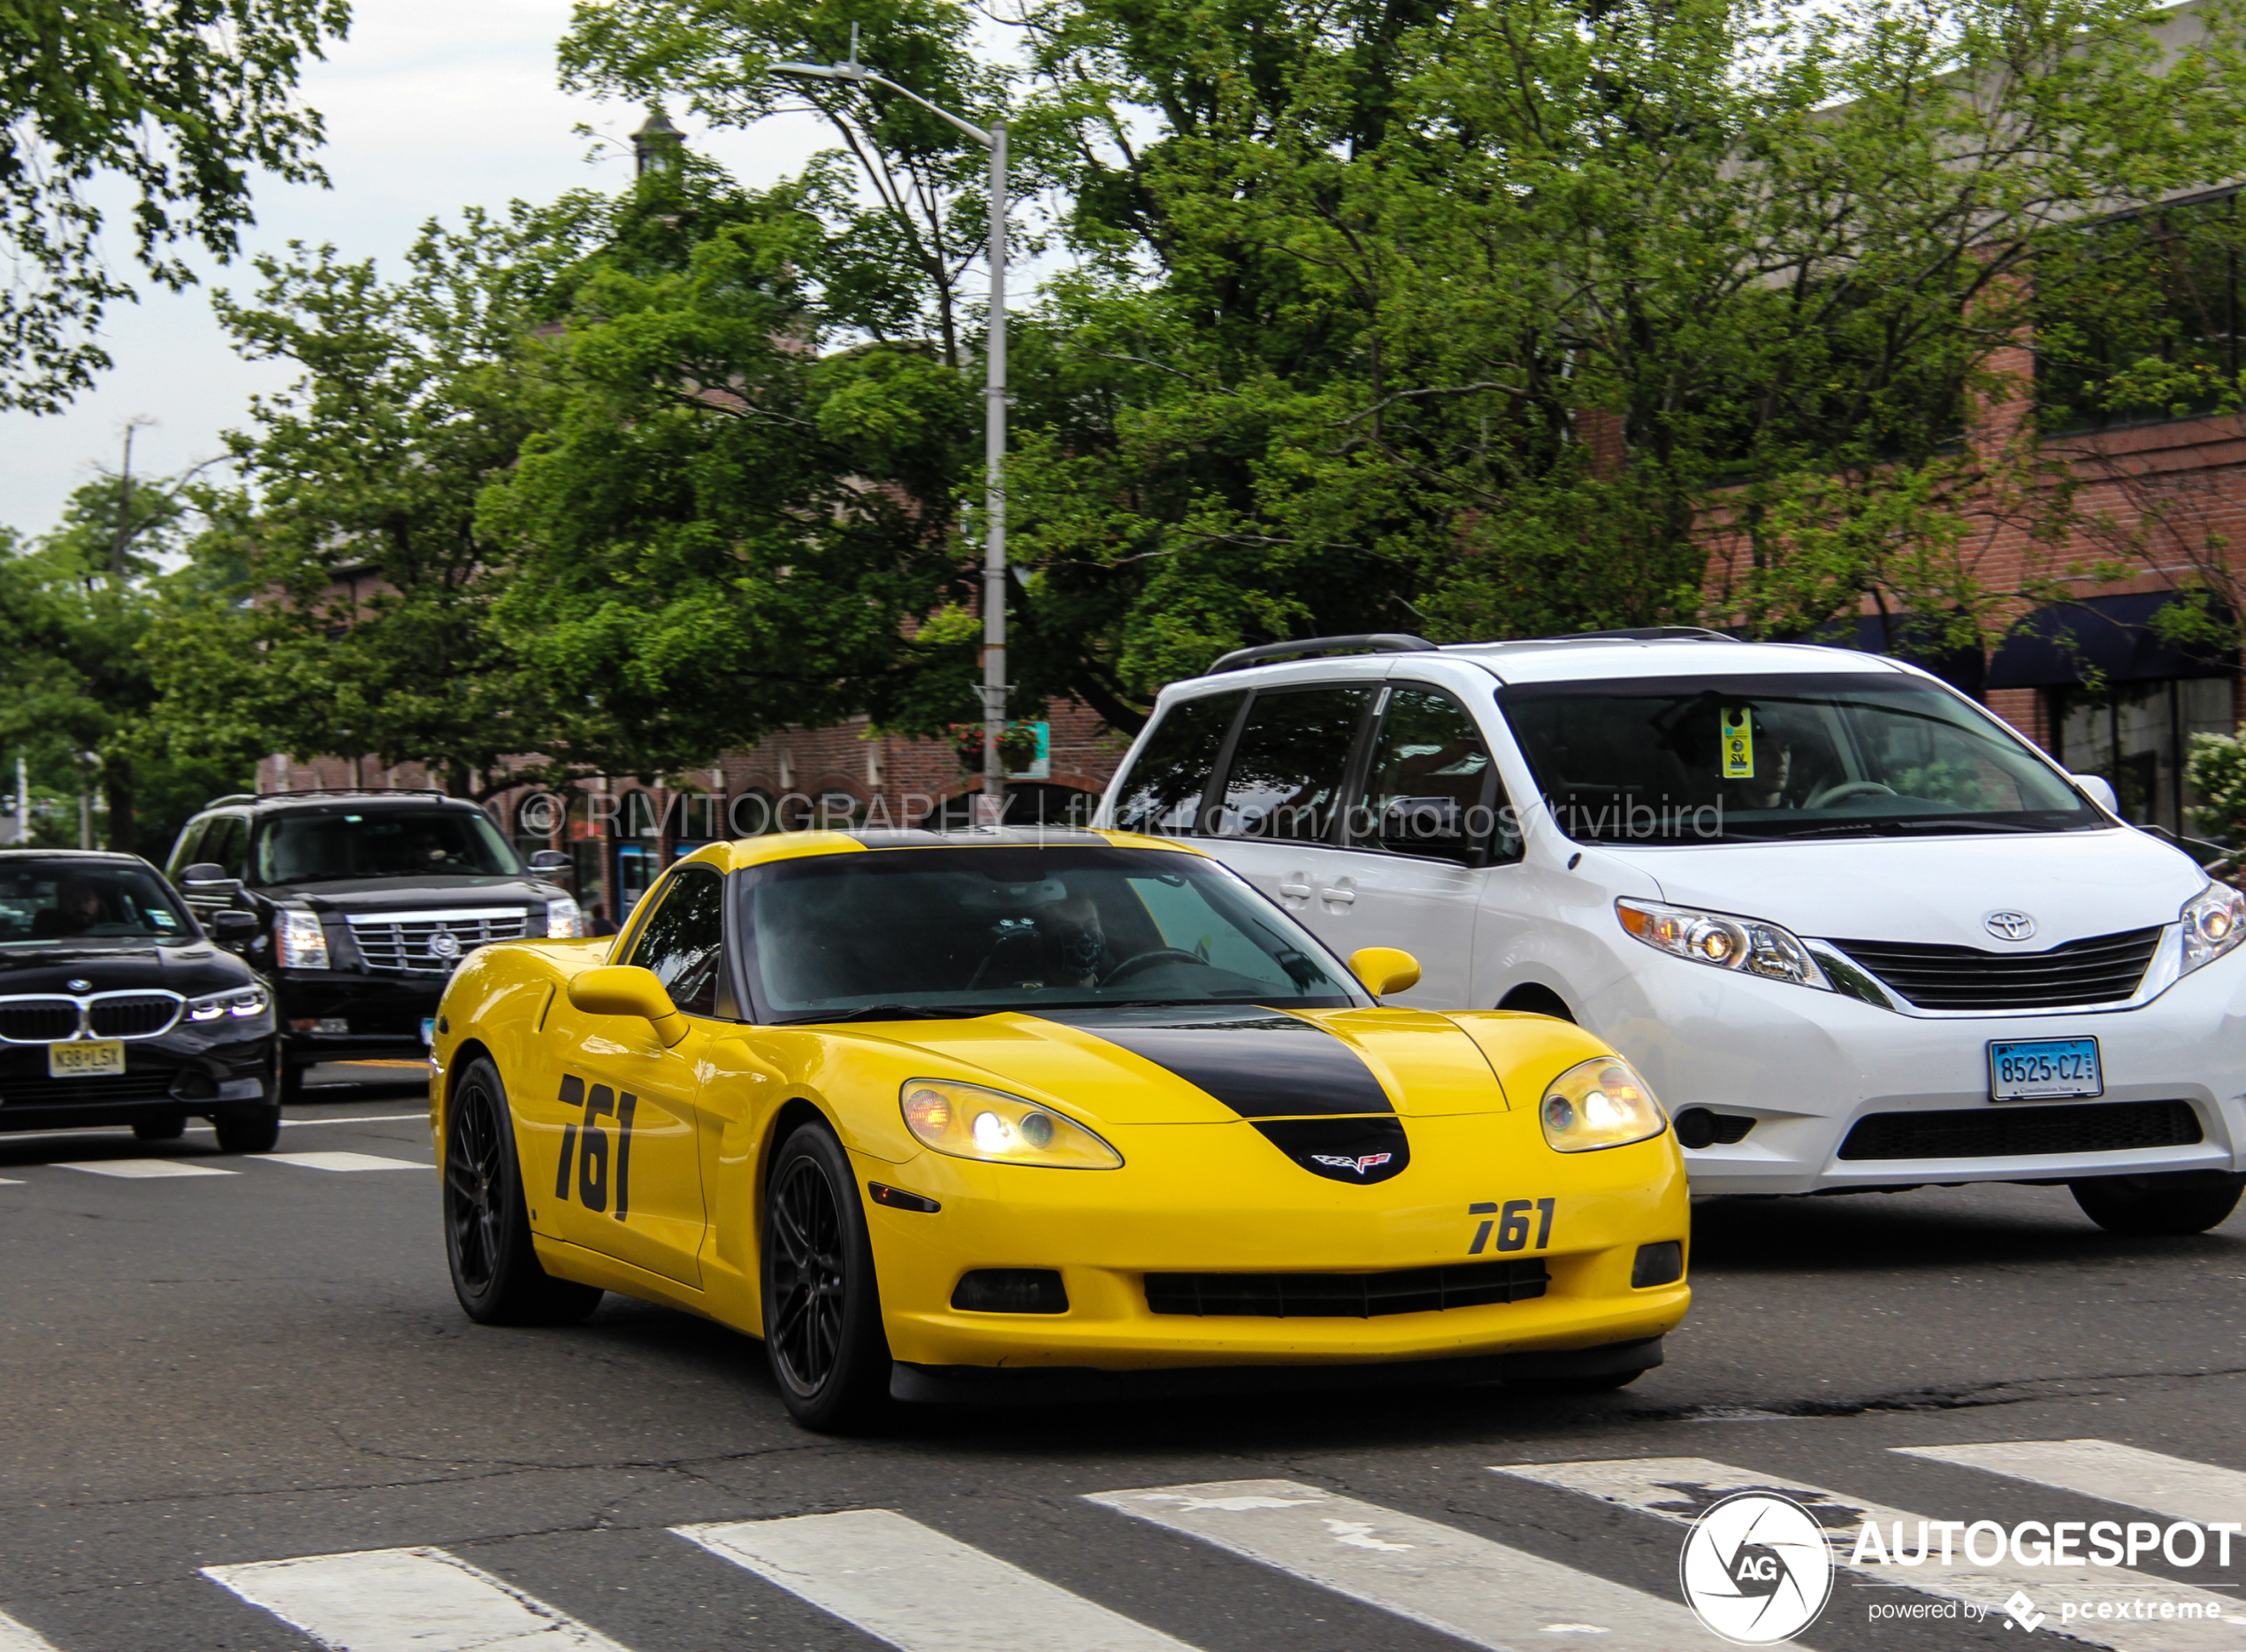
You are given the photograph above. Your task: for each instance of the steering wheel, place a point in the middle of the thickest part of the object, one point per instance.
(1848, 788)
(1131, 965)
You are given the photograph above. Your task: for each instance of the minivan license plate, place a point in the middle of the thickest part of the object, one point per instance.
(2044, 1069)
(96, 1057)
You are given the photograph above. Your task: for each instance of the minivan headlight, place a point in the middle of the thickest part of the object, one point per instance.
(968, 1121)
(238, 1005)
(1746, 944)
(2214, 922)
(1601, 1103)
(302, 943)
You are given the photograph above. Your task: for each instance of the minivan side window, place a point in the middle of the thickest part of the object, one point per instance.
(1429, 789)
(683, 939)
(1161, 793)
(1284, 782)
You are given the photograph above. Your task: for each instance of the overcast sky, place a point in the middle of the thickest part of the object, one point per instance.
(431, 105)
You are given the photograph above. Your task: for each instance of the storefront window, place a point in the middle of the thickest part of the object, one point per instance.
(2138, 734)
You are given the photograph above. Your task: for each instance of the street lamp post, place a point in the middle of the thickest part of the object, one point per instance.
(994, 420)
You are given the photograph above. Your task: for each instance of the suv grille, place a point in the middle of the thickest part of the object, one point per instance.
(1346, 1296)
(2004, 1131)
(405, 940)
(139, 1016)
(2103, 969)
(38, 1021)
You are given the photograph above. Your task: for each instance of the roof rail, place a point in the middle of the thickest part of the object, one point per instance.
(329, 791)
(1374, 642)
(1645, 633)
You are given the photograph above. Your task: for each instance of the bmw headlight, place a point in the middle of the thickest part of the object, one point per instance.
(238, 1005)
(1746, 944)
(564, 919)
(302, 943)
(1600, 1103)
(968, 1121)
(2214, 922)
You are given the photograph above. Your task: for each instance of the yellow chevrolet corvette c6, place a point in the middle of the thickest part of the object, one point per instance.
(1013, 1115)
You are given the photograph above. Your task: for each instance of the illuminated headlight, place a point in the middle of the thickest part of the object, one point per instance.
(564, 919)
(968, 1121)
(1746, 944)
(238, 1005)
(302, 944)
(1596, 1104)
(2214, 921)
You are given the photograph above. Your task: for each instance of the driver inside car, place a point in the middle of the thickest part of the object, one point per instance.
(79, 905)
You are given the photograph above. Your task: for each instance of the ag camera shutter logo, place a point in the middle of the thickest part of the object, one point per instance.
(1756, 1568)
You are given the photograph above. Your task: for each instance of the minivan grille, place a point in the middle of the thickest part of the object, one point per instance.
(1346, 1296)
(406, 940)
(2103, 969)
(2004, 1131)
(38, 1021)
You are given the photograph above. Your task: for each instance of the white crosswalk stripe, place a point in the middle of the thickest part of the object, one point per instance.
(2110, 1471)
(405, 1599)
(142, 1169)
(918, 1589)
(1677, 1489)
(15, 1638)
(1466, 1586)
(340, 1161)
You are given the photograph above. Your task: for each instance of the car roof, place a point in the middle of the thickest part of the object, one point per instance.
(99, 857)
(792, 846)
(272, 802)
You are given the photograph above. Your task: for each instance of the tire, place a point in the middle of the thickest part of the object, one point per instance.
(168, 1129)
(487, 1229)
(254, 1128)
(2157, 1205)
(822, 1310)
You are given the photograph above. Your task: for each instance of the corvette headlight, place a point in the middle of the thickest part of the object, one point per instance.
(238, 1005)
(1599, 1102)
(564, 919)
(968, 1121)
(302, 944)
(1746, 944)
(2214, 922)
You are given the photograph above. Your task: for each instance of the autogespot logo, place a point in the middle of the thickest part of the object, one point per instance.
(1756, 1568)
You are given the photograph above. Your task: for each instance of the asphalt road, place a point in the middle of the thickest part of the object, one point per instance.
(266, 1364)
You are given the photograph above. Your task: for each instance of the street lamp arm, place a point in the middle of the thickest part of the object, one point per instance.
(859, 75)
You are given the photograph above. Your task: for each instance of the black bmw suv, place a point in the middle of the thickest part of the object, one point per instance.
(364, 902)
(116, 1007)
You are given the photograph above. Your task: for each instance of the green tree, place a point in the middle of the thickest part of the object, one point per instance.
(174, 100)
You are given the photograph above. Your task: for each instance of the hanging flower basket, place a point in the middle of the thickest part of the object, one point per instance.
(1016, 746)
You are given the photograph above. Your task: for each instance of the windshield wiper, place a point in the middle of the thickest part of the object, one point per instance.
(1896, 826)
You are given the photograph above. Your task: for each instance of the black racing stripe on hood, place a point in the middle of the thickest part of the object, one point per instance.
(1363, 1150)
(1260, 1064)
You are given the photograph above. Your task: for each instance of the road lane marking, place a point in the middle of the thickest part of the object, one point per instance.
(1677, 1489)
(373, 1118)
(140, 1169)
(14, 1637)
(340, 1161)
(1452, 1580)
(2110, 1471)
(918, 1590)
(405, 1599)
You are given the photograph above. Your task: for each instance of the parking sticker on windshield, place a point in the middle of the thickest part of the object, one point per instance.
(1738, 743)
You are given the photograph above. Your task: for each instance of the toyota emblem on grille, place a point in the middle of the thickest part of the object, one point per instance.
(79, 985)
(444, 944)
(2010, 926)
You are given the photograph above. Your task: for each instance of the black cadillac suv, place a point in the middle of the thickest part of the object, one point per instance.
(363, 902)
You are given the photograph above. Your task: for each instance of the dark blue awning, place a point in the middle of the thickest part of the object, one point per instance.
(2058, 646)
(1903, 637)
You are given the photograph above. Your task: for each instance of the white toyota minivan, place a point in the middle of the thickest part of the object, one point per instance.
(1854, 930)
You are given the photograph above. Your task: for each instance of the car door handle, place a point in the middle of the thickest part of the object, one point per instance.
(1340, 896)
(1297, 890)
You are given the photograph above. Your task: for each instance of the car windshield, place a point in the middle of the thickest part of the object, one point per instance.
(898, 932)
(51, 902)
(1707, 759)
(324, 845)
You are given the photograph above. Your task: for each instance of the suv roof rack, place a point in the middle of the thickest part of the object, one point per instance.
(1373, 642)
(1641, 633)
(331, 791)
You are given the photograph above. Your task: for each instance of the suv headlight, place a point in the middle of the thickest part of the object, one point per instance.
(564, 919)
(1600, 1103)
(2214, 922)
(237, 1005)
(1746, 944)
(302, 943)
(968, 1121)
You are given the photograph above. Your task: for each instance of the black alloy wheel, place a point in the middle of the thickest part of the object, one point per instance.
(822, 1325)
(2156, 1205)
(487, 1230)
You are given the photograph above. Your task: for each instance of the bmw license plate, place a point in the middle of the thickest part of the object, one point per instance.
(94, 1058)
(2044, 1069)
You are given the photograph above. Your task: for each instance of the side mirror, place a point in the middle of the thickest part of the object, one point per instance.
(1385, 969)
(232, 926)
(207, 878)
(551, 861)
(628, 990)
(2100, 789)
